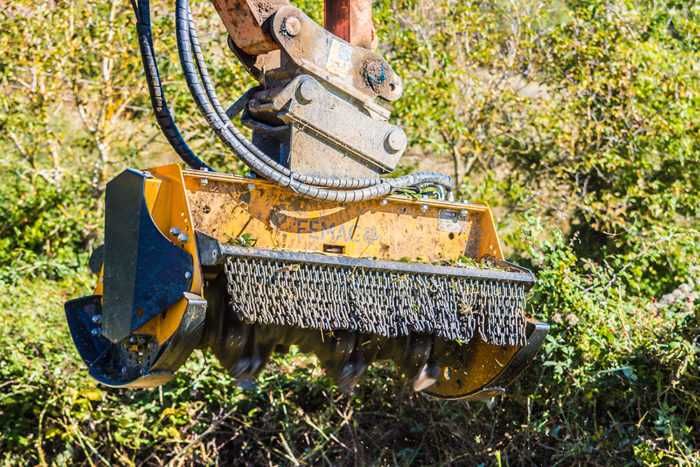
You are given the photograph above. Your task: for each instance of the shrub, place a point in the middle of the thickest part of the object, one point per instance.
(576, 121)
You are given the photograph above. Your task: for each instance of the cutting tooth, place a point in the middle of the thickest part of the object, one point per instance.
(247, 384)
(256, 354)
(427, 376)
(351, 372)
(344, 344)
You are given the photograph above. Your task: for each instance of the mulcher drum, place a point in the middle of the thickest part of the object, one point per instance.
(386, 298)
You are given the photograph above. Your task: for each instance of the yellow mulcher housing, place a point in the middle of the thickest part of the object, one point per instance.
(340, 267)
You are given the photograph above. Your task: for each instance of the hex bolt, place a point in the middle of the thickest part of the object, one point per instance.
(182, 237)
(291, 25)
(174, 231)
(424, 208)
(307, 91)
(95, 331)
(96, 318)
(384, 202)
(395, 141)
(463, 213)
(188, 274)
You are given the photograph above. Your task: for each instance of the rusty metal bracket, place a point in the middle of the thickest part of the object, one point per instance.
(356, 71)
(327, 135)
(244, 19)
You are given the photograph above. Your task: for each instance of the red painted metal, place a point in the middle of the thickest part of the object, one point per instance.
(337, 18)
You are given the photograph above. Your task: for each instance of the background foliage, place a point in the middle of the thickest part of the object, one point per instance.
(577, 121)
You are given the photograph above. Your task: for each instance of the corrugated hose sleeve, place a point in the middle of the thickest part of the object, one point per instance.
(336, 189)
(155, 89)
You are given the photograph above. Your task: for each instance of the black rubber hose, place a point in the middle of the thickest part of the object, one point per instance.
(206, 98)
(419, 178)
(210, 103)
(155, 89)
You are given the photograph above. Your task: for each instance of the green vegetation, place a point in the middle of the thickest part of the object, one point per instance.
(579, 122)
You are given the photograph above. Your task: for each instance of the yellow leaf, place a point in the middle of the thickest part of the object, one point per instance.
(52, 432)
(92, 394)
(172, 432)
(168, 412)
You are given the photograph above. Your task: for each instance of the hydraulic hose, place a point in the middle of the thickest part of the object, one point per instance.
(203, 92)
(163, 115)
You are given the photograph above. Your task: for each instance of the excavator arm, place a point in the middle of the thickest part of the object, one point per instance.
(350, 20)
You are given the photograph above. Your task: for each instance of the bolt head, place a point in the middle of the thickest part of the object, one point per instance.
(96, 318)
(395, 141)
(174, 231)
(95, 331)
(188, 274)
(307, 91)
(204, 181)
(384, 202)
(182, 237)
(292, 26)
(424, 208)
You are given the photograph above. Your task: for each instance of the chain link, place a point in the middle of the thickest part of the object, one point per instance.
(379, 302)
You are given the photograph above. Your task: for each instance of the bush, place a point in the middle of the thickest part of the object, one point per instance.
(576, 121)
(47, 228)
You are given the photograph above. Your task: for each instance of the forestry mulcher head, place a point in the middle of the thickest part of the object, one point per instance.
(315, 248)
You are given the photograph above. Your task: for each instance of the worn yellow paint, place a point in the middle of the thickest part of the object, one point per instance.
(168, 206)
(229, 207)
(476, 365)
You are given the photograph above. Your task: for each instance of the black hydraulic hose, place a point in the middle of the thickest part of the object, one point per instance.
(202, 99)
(258, 164)
(419, 178)
(205, 96)
(155, 88)
(203, 92)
